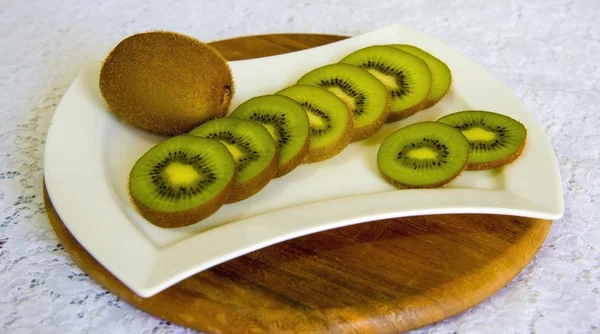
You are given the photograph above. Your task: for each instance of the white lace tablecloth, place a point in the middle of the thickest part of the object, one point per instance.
(546, 51)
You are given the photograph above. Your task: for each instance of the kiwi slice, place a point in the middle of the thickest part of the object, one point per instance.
(253, 150)
(367, 97)
(330, 120)
(165, 82)
(441, 76)
(182, 180)
(423, 155)
(286, 121)
(406, 76)
(495, 139)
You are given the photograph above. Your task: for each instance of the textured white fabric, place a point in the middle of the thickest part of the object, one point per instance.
(546, 51)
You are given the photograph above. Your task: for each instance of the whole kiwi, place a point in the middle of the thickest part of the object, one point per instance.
(166, 82)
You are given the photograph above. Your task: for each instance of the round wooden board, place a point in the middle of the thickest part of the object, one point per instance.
(384, 276)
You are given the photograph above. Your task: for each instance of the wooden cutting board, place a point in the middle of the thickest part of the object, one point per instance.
(381, 277)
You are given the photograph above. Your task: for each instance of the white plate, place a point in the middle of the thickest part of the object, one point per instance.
(89, 154)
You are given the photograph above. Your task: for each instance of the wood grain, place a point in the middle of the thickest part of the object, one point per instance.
(379, 277)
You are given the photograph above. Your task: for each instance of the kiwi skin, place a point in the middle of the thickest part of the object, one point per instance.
(187, 217)
(498, 163)
(397, 116)
(432, 102)
(255, 184)
(367, 131)
(295, 162)
(165, 82)
(427, 186)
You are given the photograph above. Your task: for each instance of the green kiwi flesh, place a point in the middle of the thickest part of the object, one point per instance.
(440, 72)
(367, 98)
(330, 120)
(253, 150)
(495, 139)
(423, 155)
(406, 76)
(286, 121)
(182, 180)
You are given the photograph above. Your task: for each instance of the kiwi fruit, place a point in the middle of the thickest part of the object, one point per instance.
(166, 83)
(330, 120)
(495, 139)
(441, 76)
(423, 155)
(367, 98)
(253, 150)
(286, 121)
(406, 76)
(182, 180)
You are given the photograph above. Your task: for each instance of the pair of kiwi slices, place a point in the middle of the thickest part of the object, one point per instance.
(383, 84)
(189, 177)
(431, 154)
(308, 123)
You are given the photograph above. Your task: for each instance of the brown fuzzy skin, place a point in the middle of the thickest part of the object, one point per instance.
(295, 161)
(166, 83)
(498, 163)
(395, 116)
(425, 186)
(431, 103)
(367, 131)
(187, 217)
(242, 191)
(334, 148)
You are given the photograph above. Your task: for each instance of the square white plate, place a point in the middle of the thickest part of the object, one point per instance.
(89, 154)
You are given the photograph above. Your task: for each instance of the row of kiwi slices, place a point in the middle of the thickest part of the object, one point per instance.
(228, 159)
(189, 177)
(431, 154)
